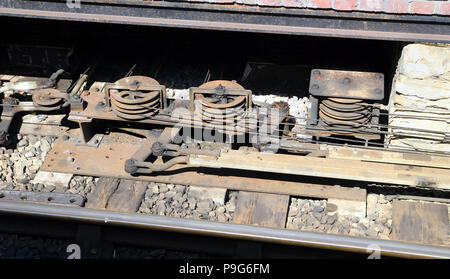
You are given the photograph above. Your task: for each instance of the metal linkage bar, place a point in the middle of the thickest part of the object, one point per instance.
(238, 18)
(233, 231)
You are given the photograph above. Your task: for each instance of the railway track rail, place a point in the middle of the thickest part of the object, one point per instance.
(212, 231)
(240, 18)
(280, 173)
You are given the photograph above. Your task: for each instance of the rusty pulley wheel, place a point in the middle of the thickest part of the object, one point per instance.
(345, 101)
(48, 97)
(343, 106)
(220, 101)
(221, 106)
(344, 115)
(136, 82)
(135, 102)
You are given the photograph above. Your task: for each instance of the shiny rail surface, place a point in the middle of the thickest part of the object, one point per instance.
(235, 231)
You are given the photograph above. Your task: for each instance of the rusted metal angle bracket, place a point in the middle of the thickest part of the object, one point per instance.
(109, 158)
(42, 197)
(188, 15)
(326, 167)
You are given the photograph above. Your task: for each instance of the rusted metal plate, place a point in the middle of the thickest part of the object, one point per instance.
(108, 160)
(347, 84)
(420, 222)
(42, 197)
(42, 130)
(268, 210)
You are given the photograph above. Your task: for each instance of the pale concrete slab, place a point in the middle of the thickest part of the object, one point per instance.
(347, 207)
(216, 194)
(57, 179)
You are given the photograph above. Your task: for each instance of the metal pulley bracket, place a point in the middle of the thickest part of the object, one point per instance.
(347, 84)
(28, 85)
(136, 165)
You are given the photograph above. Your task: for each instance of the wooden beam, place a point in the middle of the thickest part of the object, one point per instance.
(327, 167)
(128, 196)
(420, 222)
(261, 209)
(394, 157)
(99, 197)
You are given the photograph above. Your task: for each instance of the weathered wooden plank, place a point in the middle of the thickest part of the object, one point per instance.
(108, 160)
(99, 197)
(128, 196)
(328, 167)
(261, 209)
(420, 222)
(426, 160)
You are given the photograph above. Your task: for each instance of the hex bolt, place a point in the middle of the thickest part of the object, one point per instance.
(347, 80)
(315, 86)
(316, 72)
(379, 76)
(378, 91)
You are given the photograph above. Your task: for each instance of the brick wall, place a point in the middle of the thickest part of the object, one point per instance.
(378, 6)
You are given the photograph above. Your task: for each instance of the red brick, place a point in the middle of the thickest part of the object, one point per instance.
(424, 8)
(295, 3)
(246, 2)
(221, 1)
(371, 5)
(273, 3)
(396, 6)
(320, 4)
(345, 5)
(444, 9)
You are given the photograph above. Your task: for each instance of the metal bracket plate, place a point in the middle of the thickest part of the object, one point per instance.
(43, 197)
(93, 142)
(347, 84)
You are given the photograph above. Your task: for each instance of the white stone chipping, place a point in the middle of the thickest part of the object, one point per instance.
(421, 90)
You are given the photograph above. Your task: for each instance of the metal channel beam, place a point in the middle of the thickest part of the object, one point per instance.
(239, 18)
(245, 232)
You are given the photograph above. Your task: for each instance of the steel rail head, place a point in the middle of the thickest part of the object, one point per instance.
(237, 231)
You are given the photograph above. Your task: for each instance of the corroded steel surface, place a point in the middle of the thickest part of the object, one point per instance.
(347, 84)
